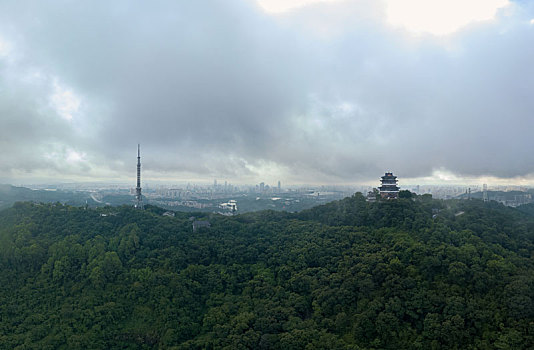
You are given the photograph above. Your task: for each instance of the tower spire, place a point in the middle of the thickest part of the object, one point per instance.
(138, 196)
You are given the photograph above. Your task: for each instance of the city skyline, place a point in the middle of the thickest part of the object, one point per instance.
(302, 91)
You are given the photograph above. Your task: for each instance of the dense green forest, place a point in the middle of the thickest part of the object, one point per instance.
(415, 273)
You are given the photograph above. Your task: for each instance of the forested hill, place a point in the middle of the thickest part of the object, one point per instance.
(406, 274)
(11, 194)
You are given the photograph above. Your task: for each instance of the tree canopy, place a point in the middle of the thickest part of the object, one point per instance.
(415, 273)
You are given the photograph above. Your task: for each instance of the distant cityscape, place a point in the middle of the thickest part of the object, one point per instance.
(224, 197)
(228, 199)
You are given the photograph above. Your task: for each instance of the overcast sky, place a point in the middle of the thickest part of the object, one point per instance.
(248, 91)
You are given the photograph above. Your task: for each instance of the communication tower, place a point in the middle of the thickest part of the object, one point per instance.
(138, 195)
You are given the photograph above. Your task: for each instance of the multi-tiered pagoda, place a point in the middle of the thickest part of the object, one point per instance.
(389, 188)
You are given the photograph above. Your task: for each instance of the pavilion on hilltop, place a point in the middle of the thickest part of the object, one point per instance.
(389, 188)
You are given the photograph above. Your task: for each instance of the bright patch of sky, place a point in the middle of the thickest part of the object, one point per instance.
(444, 176)
(279, 6)
(440, 17)
(73, 156)
(63, 156)
(5, 47)
(64, 101)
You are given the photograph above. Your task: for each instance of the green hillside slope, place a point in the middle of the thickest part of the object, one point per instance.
(405, 274)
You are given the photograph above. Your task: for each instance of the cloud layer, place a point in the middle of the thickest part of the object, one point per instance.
(328, 93)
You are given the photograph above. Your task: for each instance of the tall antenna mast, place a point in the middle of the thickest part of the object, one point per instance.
(138, 196)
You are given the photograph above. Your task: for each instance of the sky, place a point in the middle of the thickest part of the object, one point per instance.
(302, 91)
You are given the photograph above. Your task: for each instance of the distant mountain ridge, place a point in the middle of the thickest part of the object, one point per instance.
(10, 194)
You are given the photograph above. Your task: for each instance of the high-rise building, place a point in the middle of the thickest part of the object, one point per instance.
(389, 188)
(279, 187)
(138, 195)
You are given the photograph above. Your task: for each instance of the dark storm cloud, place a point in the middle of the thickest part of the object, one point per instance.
(219, 88)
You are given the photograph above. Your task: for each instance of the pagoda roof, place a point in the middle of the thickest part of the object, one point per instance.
(388, 175)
